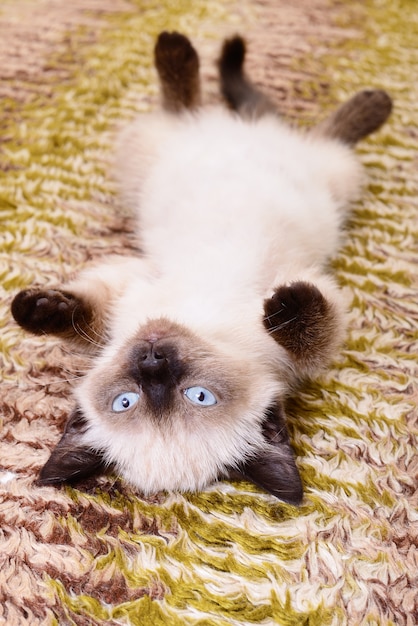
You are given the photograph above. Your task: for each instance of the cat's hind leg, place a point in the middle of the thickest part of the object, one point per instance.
(360, 116)
(239, 92)
(177, 63)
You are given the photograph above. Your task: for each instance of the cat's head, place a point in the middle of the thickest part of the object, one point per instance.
(170, 410)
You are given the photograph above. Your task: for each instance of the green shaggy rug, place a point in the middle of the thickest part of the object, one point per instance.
(71, 73)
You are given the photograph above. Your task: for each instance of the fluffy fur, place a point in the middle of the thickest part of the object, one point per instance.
(205, 334)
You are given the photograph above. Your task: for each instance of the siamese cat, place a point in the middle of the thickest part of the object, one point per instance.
(198, 340)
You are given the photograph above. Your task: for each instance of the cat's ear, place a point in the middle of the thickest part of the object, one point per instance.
(274, 469)
(72, 460)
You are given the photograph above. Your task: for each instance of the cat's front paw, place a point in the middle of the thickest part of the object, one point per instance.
(46, 310)
(300, 318)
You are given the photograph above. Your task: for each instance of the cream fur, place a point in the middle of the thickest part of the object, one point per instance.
(227, 211)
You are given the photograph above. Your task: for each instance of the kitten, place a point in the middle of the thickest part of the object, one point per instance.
(206, 333)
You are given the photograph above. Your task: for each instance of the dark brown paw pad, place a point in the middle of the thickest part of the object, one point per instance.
(44, 311)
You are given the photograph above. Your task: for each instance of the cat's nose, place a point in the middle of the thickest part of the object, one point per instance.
(153, 357)
(157, 367)
(156, 363)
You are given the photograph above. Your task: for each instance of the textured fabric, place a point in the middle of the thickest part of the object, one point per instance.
(71, 72)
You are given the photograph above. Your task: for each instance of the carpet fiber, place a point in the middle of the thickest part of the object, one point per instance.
(71, 73)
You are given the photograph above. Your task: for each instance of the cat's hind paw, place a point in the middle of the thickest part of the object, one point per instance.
(177, 63)
(175, 53)
(232, 56)
(47, 310)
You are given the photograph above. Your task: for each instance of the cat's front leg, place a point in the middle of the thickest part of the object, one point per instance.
(306, 322)
(80, 310)
(55, 311)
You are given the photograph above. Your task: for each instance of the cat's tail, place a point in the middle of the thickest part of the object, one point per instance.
(360, 116)
(239, 92)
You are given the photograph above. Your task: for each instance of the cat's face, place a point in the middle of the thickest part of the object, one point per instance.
(191, 400)
(166, 374)
(173, 411)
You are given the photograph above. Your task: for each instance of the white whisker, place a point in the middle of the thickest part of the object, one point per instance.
(274, 329)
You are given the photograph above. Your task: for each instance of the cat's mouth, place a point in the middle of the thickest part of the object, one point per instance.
(161, 328)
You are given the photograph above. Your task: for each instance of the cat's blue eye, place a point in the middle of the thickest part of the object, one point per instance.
(200, 396)
(125, 401)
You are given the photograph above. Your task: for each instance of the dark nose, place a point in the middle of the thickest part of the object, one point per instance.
(153, 358)
(156, 363)
(157, 368)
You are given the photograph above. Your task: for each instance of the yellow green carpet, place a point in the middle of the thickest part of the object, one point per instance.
(71, 73)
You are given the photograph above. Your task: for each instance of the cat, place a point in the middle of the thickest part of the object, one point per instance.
(199, 340)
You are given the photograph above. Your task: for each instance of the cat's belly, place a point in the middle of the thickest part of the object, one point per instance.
(246, 190)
